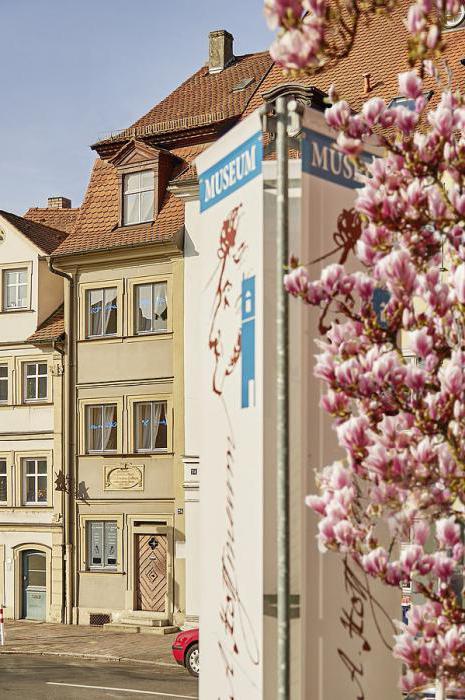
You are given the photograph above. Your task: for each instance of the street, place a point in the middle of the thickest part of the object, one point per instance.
(43, 678)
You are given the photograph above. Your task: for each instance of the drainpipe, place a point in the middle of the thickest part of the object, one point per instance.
(68, 432)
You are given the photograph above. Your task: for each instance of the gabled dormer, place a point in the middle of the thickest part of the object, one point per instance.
(143, 173)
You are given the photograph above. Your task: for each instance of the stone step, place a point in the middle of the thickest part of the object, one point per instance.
(143, 621)
(115, 627)
(125, 627)
(168, 629)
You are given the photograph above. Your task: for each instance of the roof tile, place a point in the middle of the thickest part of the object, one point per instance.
(44, 237)
(51, 329)
(60, 219)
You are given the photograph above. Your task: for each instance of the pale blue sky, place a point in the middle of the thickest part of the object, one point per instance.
(73, 70)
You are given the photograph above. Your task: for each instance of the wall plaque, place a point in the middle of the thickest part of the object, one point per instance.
(124, 478)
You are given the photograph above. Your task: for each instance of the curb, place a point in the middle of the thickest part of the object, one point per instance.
(90, 657)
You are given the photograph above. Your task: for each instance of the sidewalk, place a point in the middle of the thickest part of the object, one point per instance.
(40, 638)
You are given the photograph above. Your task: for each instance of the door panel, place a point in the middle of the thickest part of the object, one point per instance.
(151, 578)
(34, 585)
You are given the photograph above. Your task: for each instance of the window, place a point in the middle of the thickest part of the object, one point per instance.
(14, 289)
(454, 20)
(35, 380)
(151, 426)
(35, 481)
(102, 544)
(138, 197)
(3, 383)
(3, 481)
(151, 308)
(408, 102)
(101, 428)
(102, 309)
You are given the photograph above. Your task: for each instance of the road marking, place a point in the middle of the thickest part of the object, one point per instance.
(125, 690)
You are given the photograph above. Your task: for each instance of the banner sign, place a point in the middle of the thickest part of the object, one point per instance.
(233, 171)
(321, 158)
(231, 261)
(348, 617)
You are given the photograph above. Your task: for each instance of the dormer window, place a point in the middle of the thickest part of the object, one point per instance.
(138, 197)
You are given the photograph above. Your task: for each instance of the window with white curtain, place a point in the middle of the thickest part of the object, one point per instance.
(102, 544)
(101, 428)
(4, 383)
(15, 289)
(35, 381)
(102, 312)
(151, 308)
(138, 197)
(151, 426)
(35, 481)
(3, 481)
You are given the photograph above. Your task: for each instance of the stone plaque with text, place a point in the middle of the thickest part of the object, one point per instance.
(124, 478)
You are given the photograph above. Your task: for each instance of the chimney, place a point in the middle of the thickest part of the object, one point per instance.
(59, 203)
(220, 50)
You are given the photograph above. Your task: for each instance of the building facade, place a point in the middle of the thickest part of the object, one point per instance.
(31, 422)
(125, 312)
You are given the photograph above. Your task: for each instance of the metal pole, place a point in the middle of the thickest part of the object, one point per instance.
(282, 399)
(440, 690)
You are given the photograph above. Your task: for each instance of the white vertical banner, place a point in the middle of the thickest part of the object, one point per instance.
(347, 623)
(231, 458)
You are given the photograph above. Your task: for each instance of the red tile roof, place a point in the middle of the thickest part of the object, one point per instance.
(60, 219)
(47, 239)
(203, 99)
(97, 225)
(380, 49)
(52, 328)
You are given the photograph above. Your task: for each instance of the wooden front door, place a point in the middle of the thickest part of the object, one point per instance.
(151, 577)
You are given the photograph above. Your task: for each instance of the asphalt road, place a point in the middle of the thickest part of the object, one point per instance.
(46, 678)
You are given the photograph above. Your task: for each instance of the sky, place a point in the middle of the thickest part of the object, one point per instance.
(72, 71)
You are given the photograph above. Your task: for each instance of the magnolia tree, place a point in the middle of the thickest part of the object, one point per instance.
(395, 503)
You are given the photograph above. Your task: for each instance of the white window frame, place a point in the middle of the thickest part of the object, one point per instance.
(88, 535)
(152, 284)
(102, 406)
(104, 291)
(35, 476)
(163, 394)
(17, 285)
(36, 375)
(152, 449)
(137, 191)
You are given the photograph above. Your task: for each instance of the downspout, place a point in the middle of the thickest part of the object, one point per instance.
(68, 432)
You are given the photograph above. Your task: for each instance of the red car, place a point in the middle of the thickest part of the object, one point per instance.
(186, 650)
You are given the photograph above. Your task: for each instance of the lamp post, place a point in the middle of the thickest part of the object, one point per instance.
(282, 398)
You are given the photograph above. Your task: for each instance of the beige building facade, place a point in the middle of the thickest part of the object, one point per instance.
(125, 406)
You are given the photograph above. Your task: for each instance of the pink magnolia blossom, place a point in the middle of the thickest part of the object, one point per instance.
(410, 85)
(400, 424)
(277, 11)
(447, 532)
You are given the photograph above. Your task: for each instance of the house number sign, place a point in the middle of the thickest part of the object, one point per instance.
(124, 478)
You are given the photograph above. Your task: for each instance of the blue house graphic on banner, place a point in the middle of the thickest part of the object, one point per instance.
(248, 342)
